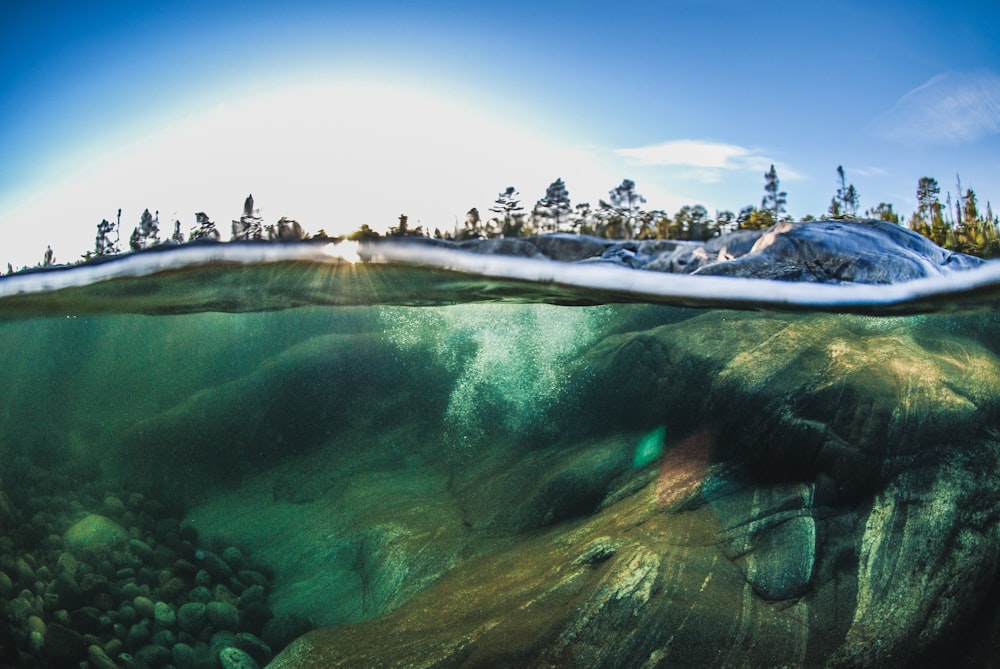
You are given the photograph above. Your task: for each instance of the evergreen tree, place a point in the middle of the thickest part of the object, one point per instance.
(774, 199)
(363, 233)
(619, 216)
(250, 225)
(883, 211)
(554, 207)
(204, 229)
(178, 236)
(147, 234)
(845, 203)
(507, 208)
(107, 239)
(928, 219)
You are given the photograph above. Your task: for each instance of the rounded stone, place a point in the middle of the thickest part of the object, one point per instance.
(233, 557)
(98, 657)
(254, 647)
(255, 593)
(144, 607)
(200, 594)
(223, 615)
(93, 531)
(164, 615)
(114, 506)
(141, 550)
(234, 658)
(191, 617)
(203, 578)
(183, 655)
(153, 655)
(6, 586)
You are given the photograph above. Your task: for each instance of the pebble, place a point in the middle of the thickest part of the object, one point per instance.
(254, 647)
(191, 617)
(6, 586)
(114, 506)
(203, 578)
(153, 655)
(99, 658)
(114, 647)
(36, 624)
(141, 550)
(255, 593)
(233, 557)
(234, 658)
(252, 577)
(223, 615)
(183, 655)
(200, 594)
(164, 615)
(144, 607)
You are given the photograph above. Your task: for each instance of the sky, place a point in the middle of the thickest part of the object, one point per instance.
(343, 113)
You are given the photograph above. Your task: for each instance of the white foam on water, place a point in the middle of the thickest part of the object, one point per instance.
(589, 282)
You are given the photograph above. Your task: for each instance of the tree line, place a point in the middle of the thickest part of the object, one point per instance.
(957, 224)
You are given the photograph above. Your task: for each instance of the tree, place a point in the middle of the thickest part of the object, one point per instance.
(555, 206)
(845, 203)
(928, 219)
(250, 225)
(751, 218)
(883, 211)
(403, 229)
(623, 210)
(147, 234)
(363, 233)
(774, 199)
(107, 239)
(725, 221)
(693, 223)
(205, 228)
(178, 236)
(507, 207)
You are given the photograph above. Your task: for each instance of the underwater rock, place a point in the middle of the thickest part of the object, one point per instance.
(93, 531)
(234, 658)
(822, 482)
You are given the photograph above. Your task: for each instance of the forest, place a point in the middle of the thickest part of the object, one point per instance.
(957, 223)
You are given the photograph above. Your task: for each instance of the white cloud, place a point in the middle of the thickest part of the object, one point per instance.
(950, 108)
(705, 161)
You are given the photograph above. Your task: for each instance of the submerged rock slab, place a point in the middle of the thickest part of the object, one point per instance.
(827, 495)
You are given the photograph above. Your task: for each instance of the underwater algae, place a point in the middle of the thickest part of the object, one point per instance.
(506, 484)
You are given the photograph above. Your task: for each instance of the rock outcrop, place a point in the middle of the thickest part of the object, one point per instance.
(861, 251)
(826, 496)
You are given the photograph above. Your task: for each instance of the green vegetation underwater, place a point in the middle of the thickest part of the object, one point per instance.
(770, 450)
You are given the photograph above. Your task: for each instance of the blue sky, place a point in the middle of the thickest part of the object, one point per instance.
(342, 113)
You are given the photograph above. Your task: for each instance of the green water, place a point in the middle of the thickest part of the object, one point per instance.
(530, 484)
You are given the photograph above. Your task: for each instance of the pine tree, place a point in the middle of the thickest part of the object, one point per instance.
(883, 211)
(107, 239)
(205, 228)
(555, 207)
(774, 199)
(845, 203)
(250, 225)
(147, 234)
(507, 208)
(619, 216)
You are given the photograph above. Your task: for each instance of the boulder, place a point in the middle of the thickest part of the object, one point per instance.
(91, 531)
